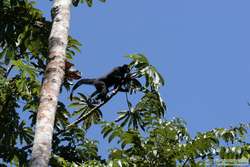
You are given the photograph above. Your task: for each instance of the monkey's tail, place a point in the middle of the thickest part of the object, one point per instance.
(85, 81)
(79, 83)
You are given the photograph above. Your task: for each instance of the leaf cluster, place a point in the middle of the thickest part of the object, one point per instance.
(24, 36)
(168, 143)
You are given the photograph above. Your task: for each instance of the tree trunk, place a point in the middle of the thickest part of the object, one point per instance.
(53, 79)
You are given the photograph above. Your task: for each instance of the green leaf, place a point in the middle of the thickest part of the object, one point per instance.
(122, 116)
(89, 2)
(138, 58)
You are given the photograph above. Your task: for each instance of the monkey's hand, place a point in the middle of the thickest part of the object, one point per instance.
(107, 97)
(92, 102)
(123, 89)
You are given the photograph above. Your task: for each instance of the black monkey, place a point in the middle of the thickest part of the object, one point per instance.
(102, 84)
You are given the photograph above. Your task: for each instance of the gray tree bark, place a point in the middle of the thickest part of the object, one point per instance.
(53, 80)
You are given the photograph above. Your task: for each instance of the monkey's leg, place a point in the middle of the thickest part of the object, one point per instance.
(99, 85)
(122, 86)
(102, 89)
(90, 98)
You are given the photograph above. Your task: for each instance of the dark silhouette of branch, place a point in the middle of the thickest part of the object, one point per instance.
(27, 147)
(83, 116)
(186, 161)
(8, 71)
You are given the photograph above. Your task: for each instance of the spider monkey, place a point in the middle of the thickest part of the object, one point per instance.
(102, 84)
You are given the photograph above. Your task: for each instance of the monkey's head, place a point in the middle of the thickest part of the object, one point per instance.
(125, 68)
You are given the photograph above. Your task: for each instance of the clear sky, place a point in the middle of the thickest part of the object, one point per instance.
(200, 47)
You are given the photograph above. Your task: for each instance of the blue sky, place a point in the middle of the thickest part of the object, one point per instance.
(200, 47)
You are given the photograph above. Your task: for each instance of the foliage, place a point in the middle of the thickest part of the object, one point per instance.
(74, 147)
(83, 108)
(168, 144)
(23, 54)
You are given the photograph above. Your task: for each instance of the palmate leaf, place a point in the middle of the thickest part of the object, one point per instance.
(83, 110)
(153, 78)
(27, 135)
(107, 127)
(152, 104)
(130, 137)
(125, 121)
(62, 116)
(122, 115)
(149, 108)
(110, 130)
(80, 103)
(131, 118)
(138, 59)
(134, 85)
(136, 119)
(92, 118)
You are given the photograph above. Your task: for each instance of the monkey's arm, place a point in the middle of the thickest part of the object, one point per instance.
(101, 88)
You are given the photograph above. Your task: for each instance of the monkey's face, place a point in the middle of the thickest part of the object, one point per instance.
(125, 68)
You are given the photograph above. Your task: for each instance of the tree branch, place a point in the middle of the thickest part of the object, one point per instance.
(8, 71)
(26, 147)
(83, 116)
(186, 161)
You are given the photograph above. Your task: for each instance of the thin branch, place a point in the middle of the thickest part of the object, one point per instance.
(96, 107)
(27, 147)
(82, 117)
(128, 103)
(85, 115)
(184, 164)
(8, 71)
